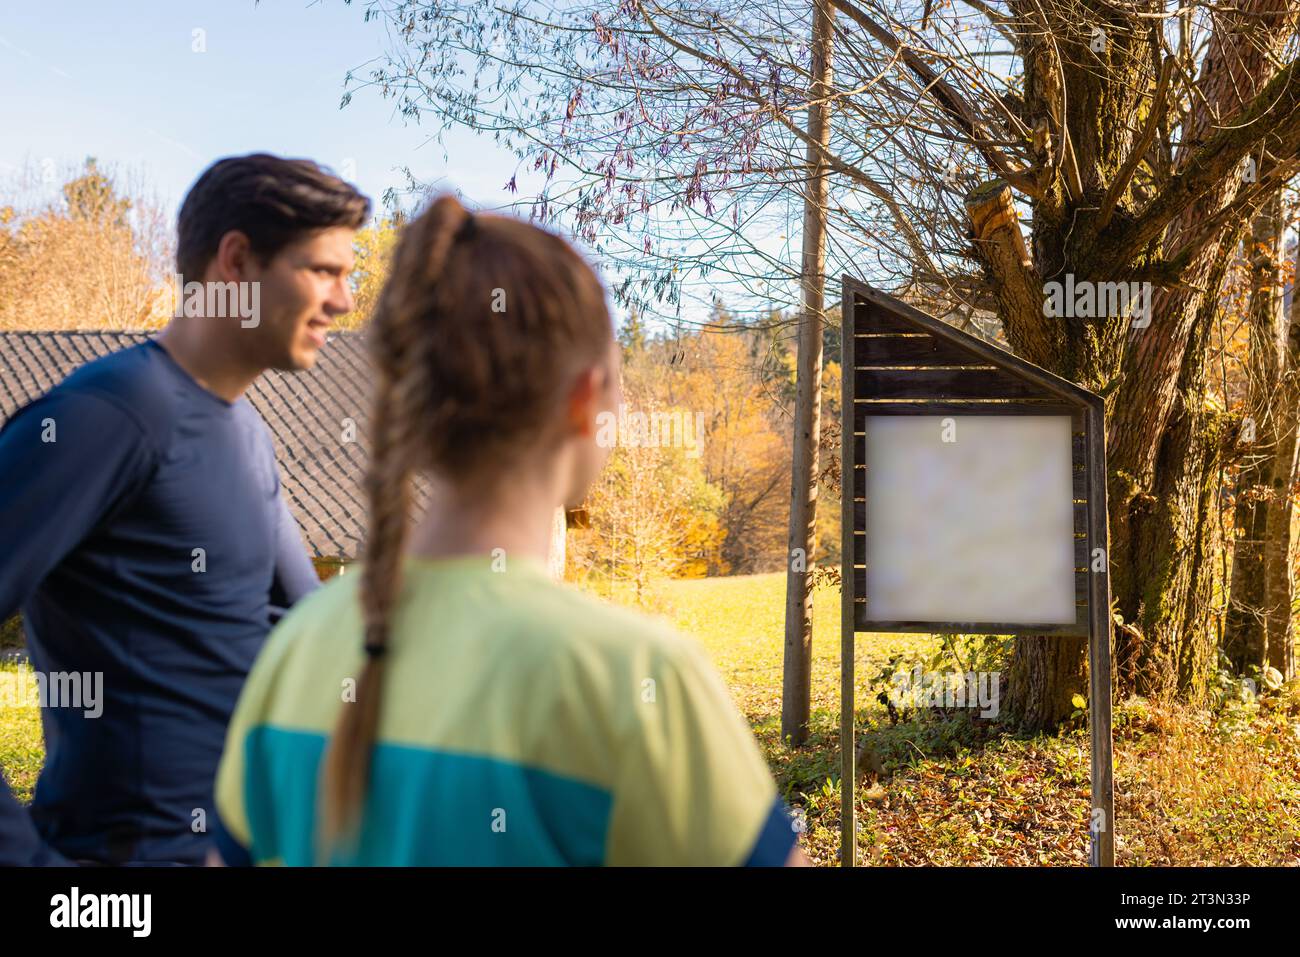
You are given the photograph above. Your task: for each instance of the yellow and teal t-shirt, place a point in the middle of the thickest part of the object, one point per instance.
(522, 723)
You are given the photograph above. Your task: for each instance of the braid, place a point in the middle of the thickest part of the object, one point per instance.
(399, 428)
(457, 389)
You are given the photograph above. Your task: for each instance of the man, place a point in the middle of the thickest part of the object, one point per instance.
(142, 530)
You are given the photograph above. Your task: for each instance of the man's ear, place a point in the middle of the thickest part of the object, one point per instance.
(584, 396)
(234, 257)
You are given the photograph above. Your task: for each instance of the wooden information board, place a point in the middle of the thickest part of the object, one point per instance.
(974, 503)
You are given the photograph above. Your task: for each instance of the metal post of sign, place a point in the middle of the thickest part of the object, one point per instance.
(1102, 821)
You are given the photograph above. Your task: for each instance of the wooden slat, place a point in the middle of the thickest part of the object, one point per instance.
(864, 408)
(905, 318)
(848, 596)
(967, 628)
(872, 319)
(900, 350)
(1102, 851)
(941, 384)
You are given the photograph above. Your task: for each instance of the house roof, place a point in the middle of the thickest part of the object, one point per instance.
(308, 414)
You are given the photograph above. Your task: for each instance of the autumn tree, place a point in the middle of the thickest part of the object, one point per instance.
(718, 374)
(373, 247)
(94, 258)
(979, 152)
(1258, 630)
(652, 512)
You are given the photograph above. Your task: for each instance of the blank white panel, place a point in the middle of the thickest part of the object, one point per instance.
(980, 529)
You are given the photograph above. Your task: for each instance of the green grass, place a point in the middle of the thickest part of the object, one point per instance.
(953, 791)
(21, 751)
(956, 792)
(740, 621)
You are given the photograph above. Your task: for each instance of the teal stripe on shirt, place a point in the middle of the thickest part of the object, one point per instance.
(424, 807)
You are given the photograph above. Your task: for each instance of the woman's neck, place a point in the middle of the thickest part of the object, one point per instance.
(517, 519)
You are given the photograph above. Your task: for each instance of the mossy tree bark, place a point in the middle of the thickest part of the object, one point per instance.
(1245, 636)
(1116, 203)
(1279, 589)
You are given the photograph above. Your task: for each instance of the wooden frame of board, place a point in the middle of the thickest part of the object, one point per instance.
(899, 361)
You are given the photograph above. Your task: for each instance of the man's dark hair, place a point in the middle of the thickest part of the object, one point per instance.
(272, 201)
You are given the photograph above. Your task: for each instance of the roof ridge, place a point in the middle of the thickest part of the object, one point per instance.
(77, 332)
(348, 333)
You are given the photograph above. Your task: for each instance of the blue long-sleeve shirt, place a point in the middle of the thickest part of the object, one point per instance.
(144, 536)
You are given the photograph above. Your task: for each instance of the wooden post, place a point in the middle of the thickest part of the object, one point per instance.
(796, 691)
(1102, 820)
(848, 774)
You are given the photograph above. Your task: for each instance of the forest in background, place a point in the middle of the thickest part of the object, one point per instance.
(966, 157)
(699, 484)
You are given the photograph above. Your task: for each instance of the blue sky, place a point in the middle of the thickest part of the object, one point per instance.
(122, 82)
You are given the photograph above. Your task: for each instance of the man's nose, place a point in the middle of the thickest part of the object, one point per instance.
(341, 300)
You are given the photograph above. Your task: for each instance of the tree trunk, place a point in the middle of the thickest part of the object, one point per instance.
(1164, 568)
(797, 686)
(1166, 446)
(1278, 587)
(1165, 527)
(1047, 671)
(1245, 636)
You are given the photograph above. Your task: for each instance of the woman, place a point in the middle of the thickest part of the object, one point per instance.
(451, 704)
